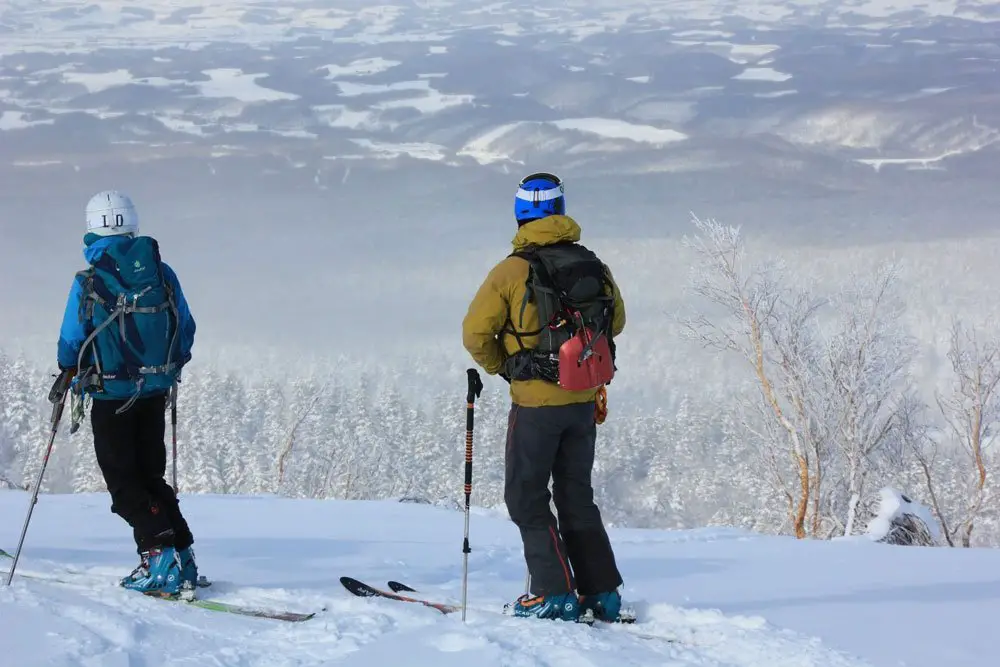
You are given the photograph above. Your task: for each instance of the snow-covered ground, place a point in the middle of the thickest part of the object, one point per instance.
(732, 598)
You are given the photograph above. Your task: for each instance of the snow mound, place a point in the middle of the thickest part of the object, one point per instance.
(898, 520)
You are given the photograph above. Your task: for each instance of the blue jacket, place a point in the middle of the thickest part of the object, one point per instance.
(74, 331)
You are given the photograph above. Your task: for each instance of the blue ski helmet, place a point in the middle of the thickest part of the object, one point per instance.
(538, 196)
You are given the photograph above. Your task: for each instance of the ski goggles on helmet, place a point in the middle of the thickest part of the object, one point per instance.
(535, 194)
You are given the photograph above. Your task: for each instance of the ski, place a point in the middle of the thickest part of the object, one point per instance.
(363, 590)
(210, 605)
(215, 605)
(397, 587)
(628, 617)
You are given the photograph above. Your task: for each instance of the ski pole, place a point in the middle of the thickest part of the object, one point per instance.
(475, 389)
(58, 398)
(173, 427)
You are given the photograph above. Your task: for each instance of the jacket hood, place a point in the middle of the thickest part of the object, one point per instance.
(546, 231)
(95, 246)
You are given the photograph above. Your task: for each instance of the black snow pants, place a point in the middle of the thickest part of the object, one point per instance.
(133, 459)
(575, 554)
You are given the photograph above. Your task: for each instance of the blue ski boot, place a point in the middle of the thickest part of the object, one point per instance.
(607, 607)
(189, 568)
(562, 607)
(158, 573)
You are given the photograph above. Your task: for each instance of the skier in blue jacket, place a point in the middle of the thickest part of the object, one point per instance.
(126, 333)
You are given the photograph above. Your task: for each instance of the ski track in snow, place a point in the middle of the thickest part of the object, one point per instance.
(289, 554)
(106, 626)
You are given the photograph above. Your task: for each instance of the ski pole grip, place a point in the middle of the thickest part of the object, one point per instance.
(61, 385)
(475, 386)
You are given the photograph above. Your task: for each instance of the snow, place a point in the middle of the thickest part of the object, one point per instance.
(362, 67)
(430, 101)
(95, 82)
(227, 82)
(894, 505)
(35, 163)
(15, 120)
(776, 93)
(420, 151)
(762, 74)
(337, 115)
(481, 148)
(925, 162)
(182, 125)
(730, 597)
(743, 53)
(500, 143)
(65, 26)
(613, 128)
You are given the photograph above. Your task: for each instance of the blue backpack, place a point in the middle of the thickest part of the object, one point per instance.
(129, 307)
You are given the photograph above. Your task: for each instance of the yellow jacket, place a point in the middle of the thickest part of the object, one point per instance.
(489, 310)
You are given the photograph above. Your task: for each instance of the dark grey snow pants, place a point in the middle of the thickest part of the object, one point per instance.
(575, 554)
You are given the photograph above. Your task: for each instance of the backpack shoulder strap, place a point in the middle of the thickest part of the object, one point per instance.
(536, 271)
(90, 295)
(530, 255)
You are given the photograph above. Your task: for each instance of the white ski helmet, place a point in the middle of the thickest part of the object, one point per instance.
(110, 213)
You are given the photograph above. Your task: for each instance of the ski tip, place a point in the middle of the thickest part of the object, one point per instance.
(398, 587)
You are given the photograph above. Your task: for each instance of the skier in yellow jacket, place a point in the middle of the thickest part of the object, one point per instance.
(551, 430)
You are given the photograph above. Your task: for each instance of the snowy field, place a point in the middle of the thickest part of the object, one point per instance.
(730, 598)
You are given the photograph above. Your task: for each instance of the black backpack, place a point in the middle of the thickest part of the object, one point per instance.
(571, 288)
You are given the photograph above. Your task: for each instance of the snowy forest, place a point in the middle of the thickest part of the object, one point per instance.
(821, 411)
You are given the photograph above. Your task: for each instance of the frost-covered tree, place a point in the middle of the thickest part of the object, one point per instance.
(765, 322)
(831, 373)
(866, 381)
(958, 462)
(692, 452)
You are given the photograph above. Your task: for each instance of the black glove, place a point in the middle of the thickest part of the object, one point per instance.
(61, 385)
